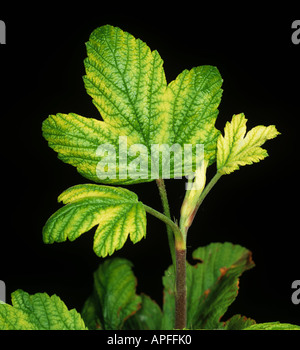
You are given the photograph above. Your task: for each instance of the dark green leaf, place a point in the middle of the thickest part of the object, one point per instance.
(148, 317)
(114, 298)
(236, 323)
(212, 285)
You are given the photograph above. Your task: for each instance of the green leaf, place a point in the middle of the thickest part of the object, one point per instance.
(148, 317)
(273, 326)
(212, 285)
(114, 297)
(168, 318)
(38, 312)
(236, 323)
(116, 211)
(237, 148)
(127, 83)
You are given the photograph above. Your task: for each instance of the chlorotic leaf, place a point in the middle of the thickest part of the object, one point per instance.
(116, 211)
(147, 124)
(114, 297)
(236, 148)
(212, 285)
(38, 312)
(273, 326)
(77, 140)
(14, 319)
(127, 82)
(194, 98)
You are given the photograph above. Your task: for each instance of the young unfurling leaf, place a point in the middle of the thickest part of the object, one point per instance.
(237, 148)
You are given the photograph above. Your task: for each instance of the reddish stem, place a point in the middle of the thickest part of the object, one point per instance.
(180, 296)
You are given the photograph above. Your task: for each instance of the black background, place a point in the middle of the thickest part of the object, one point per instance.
(41, 69)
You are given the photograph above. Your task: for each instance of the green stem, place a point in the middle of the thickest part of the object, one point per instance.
(165, 203)
(174, 227)
(207, 189)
